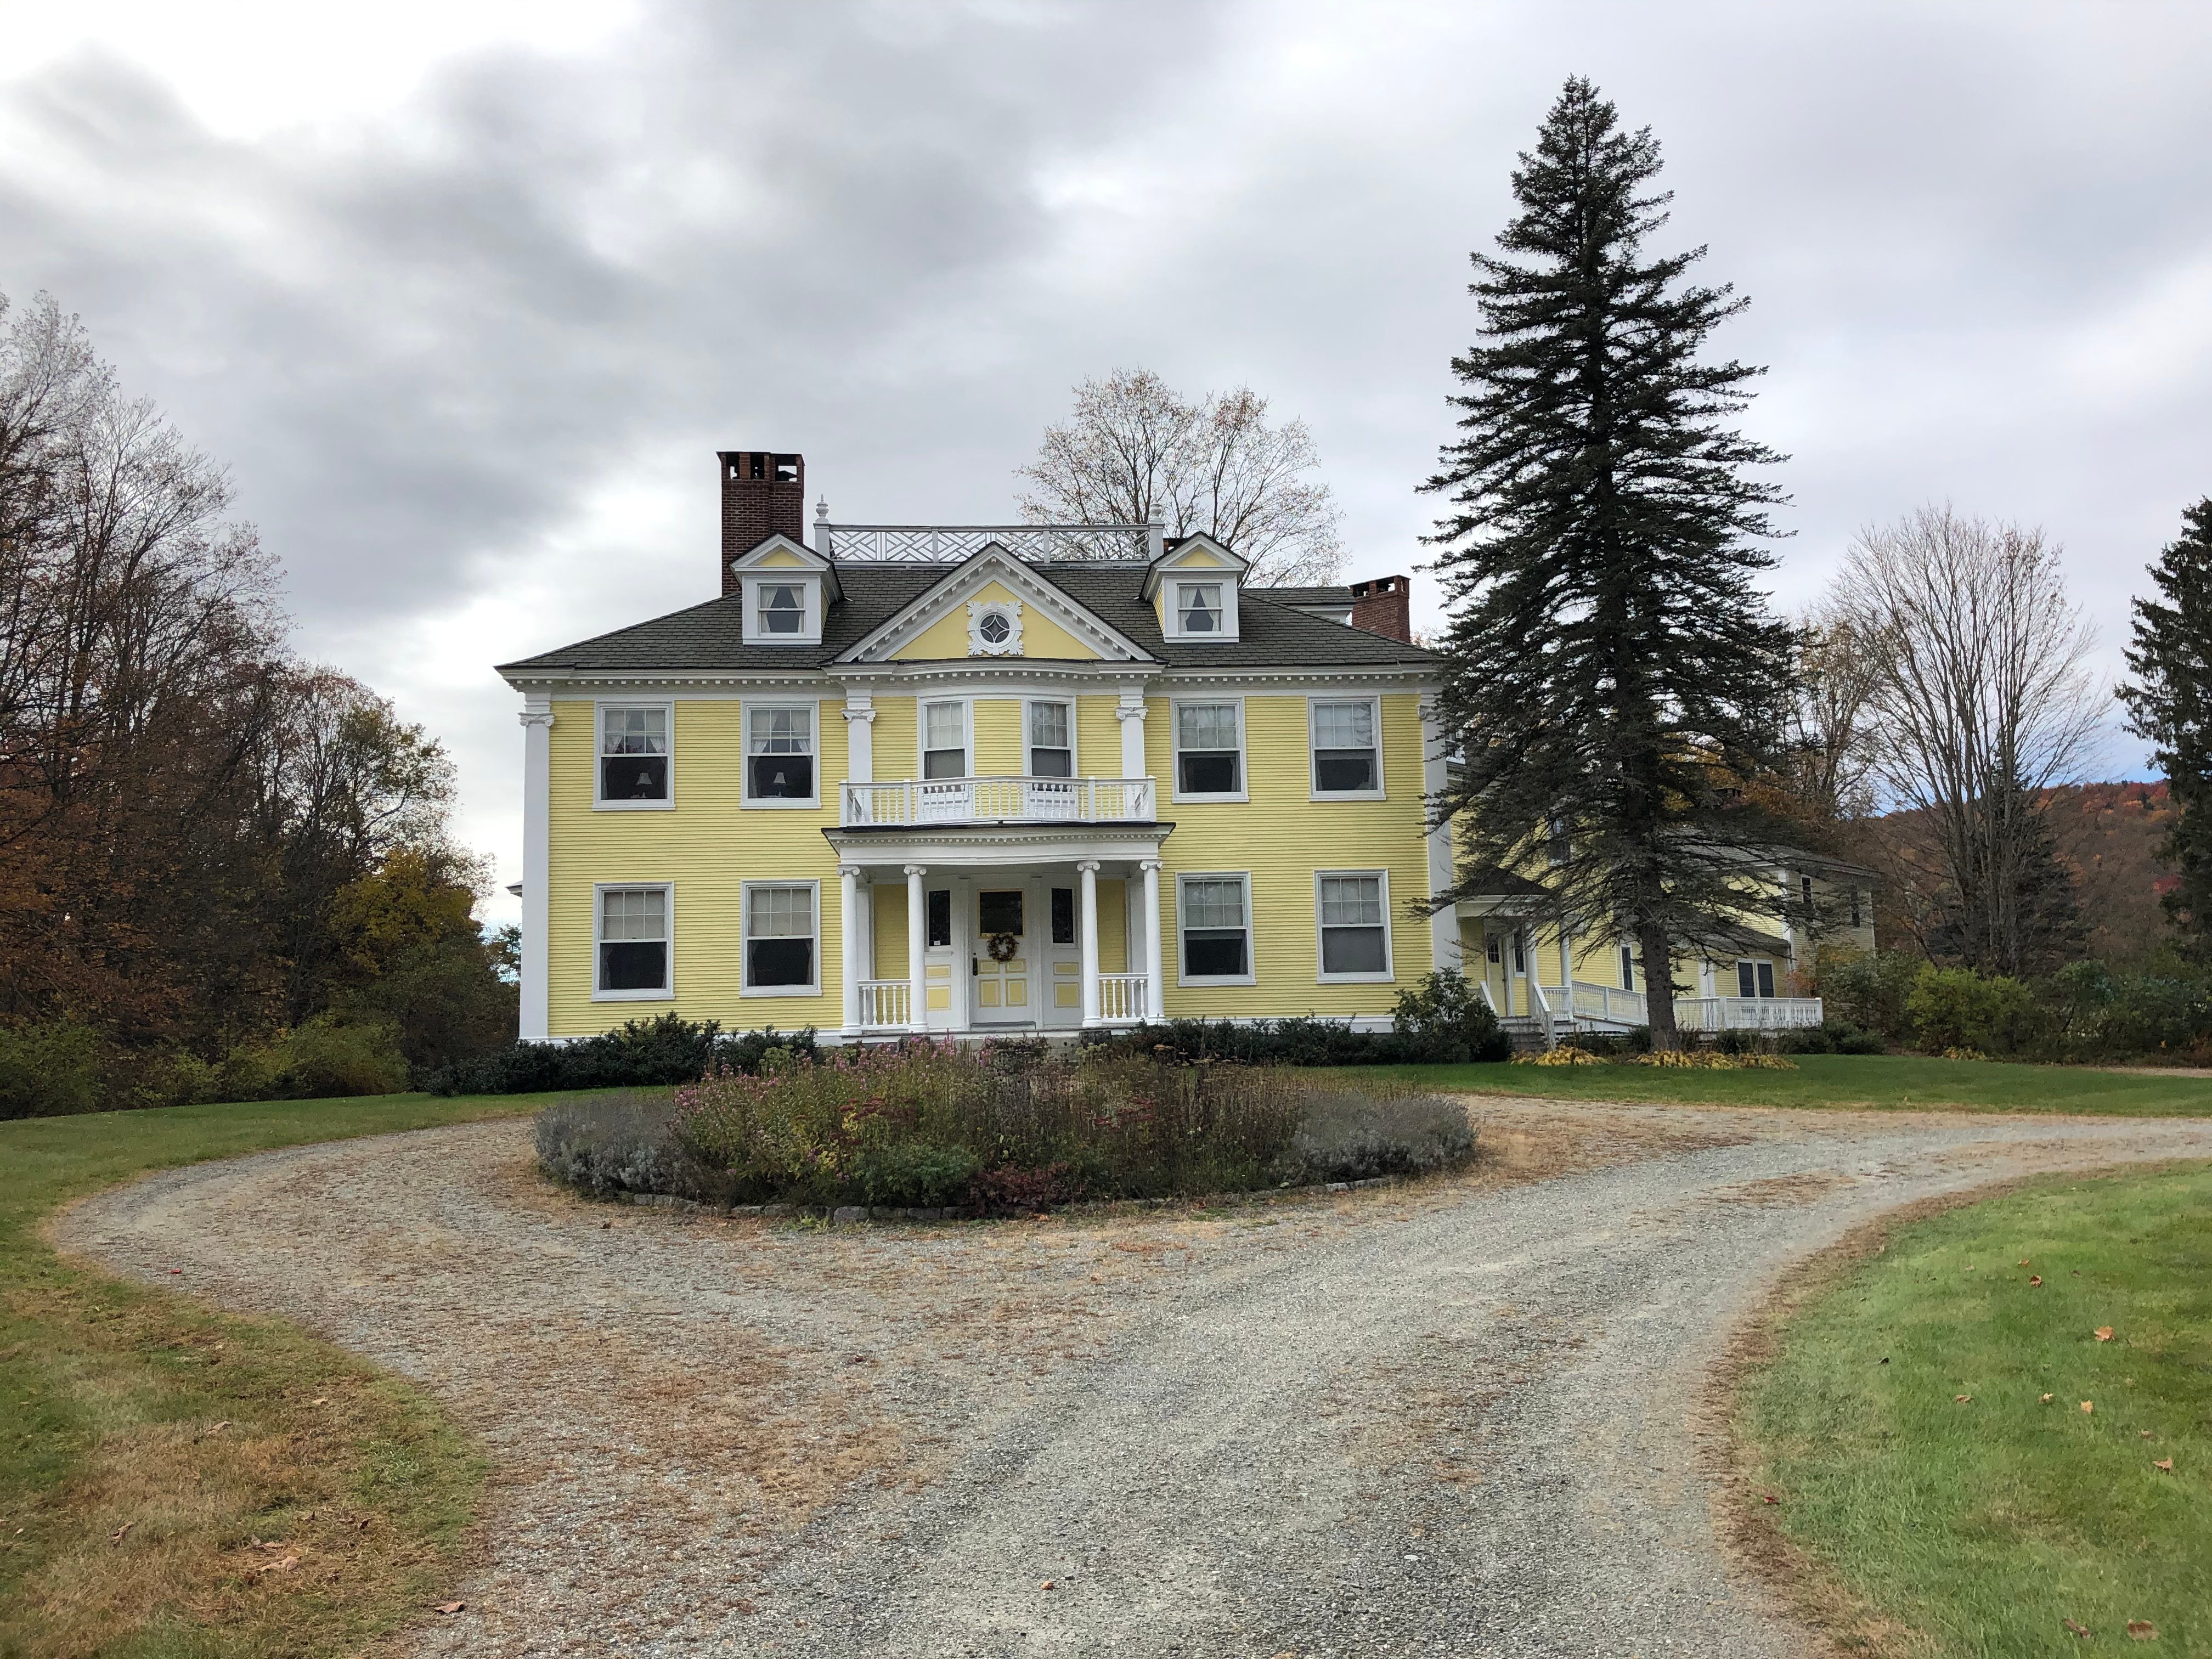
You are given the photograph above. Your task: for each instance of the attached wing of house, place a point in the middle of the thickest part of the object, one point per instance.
(975, 778)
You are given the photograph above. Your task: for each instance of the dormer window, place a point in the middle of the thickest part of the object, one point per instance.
(1198, 607)
(782, 608)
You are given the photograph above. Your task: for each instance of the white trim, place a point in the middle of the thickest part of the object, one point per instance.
(1251, 976)
(1175, 792)
(1074, 735)
(536, 989)
(747, 799)
(1446, 948)
(993, 562)
(921, 733)
(1313, 792)
(1172, 607)
(599, 890)
(809, 584)
(747, 988)
(1389, 973)
(599, 707)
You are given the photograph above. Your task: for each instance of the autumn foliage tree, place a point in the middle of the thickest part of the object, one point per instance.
(182, 803)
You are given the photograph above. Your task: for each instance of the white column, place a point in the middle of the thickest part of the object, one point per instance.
(1131, 713)
(917, 931)
(963, 944)
(1156, 984)
(848, 924)
(536, 861)
(859, 735)
(1087, 931)
(1444, 948)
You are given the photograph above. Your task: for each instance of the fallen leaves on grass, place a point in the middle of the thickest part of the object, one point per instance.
(449, 1608)
(2073, 1629)
(2088, 1406)
(2142, 1630)
(2165, 1464)
(2045, 1400)
(1960, 1398)
(2103, 1332)
(117, 1535)
(2035, 1278)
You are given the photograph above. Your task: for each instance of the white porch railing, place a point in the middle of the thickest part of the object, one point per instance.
(885, 1002)
(1745, 1013)
(1121, 996)
(997, 801)
(1607, 1003)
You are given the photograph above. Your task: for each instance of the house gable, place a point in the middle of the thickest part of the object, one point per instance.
(1034, 618)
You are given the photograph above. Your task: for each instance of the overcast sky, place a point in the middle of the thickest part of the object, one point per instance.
(468, 294)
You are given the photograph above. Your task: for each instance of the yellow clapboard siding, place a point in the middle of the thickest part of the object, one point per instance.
(891, 930)
(1112, 927)
(707, 845)
(1097, 737)
(998, 740)
(1041, 635)
(1280, 837)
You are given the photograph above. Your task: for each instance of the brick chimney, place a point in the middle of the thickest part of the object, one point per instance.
(762, 496)
(1384, 605)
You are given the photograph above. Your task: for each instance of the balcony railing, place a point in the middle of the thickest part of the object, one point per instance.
(949, 543)
(885, 1003)
(1120, 997)
(915, 801)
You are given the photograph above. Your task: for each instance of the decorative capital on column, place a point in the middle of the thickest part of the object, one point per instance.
(917, 869)
(1088, 867)
(1129, 712)
(534, 717)
(853, 870)
(1150, 864)
(866, 716)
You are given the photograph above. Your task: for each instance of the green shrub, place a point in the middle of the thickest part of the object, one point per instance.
(1959, 1008)
(1830, 1036)
(1440, 1020)
(1448, 1016)
(49, 1070)
(638, 1053)
(1870, 990)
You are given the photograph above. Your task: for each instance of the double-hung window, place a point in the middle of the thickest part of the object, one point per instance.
(779, 938)
(1052, 741)
(1345, 760)
(1215, 915)
(634, 755)
(780, 752)
(1355, 933)
(945, 740)
(1754, 979)
(1209, 748)
(633, 942)
(1627, 968)
(1198, 607)
(782, 608)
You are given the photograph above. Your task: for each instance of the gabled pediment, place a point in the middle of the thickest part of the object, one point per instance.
(993, 606)
(781, 552)
(1196, 552)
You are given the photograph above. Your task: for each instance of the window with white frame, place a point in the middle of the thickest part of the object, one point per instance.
(1627, 968)
(1214, 915)
(634, 755)
(945, 740)
(1345, 760)
(1805, 895)
(780, 608)
(780, 937)
(1355, 934)
(633, 942)
(780, 752)
(1051, 740)
(1198, 607)
(1753, 978)
(1209, 748)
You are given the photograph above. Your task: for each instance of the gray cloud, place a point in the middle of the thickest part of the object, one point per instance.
(469, 356)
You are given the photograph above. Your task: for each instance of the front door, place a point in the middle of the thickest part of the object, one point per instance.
(1001, 962)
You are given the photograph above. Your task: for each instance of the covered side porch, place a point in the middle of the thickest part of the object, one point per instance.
(972, 931)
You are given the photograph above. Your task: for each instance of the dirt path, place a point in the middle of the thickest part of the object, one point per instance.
(1451, 1420)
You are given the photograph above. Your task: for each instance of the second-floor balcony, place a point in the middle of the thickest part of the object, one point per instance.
(997, 801)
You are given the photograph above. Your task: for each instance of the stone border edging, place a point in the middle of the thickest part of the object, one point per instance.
(852, 1214)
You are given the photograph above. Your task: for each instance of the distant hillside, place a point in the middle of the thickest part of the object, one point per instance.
(2108, 833)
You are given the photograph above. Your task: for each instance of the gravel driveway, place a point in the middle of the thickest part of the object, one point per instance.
(1456, 1418)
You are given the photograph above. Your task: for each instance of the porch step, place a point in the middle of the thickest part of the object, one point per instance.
(1525, 1032)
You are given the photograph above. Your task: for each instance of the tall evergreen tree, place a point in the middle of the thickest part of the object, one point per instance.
(1612, 677)
(2170, 704)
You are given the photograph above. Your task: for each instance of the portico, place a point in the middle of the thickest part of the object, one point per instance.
(1001, 928)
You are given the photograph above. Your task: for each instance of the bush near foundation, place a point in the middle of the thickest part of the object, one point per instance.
(992, 1130)
(1440, 1020)
(2087, 1011)
(640, 1053)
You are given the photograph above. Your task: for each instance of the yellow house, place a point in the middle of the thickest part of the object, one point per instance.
(970, 780)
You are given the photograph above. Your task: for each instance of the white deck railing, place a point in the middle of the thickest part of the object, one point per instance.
(949, 543)
(997, 801)
(1607, 1003)
(885, 1002)
(1121, 996)
(1610, 1005)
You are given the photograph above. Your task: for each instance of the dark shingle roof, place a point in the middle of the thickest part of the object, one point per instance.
(710, 637)
(1306, 595)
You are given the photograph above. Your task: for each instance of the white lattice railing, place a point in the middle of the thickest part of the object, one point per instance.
(1121, 996)
(998, 801)
(885, 1002)
(1033, 544)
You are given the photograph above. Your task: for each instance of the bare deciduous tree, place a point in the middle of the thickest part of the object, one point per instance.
(1828, 741)
(1982, 698)
(1136, 451)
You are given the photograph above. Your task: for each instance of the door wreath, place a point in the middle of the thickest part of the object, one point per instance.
(1002, 947)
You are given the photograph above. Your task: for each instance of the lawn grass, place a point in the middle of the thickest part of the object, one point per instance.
(203, 1431)
(1983, 1524)
(1872, 1082)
